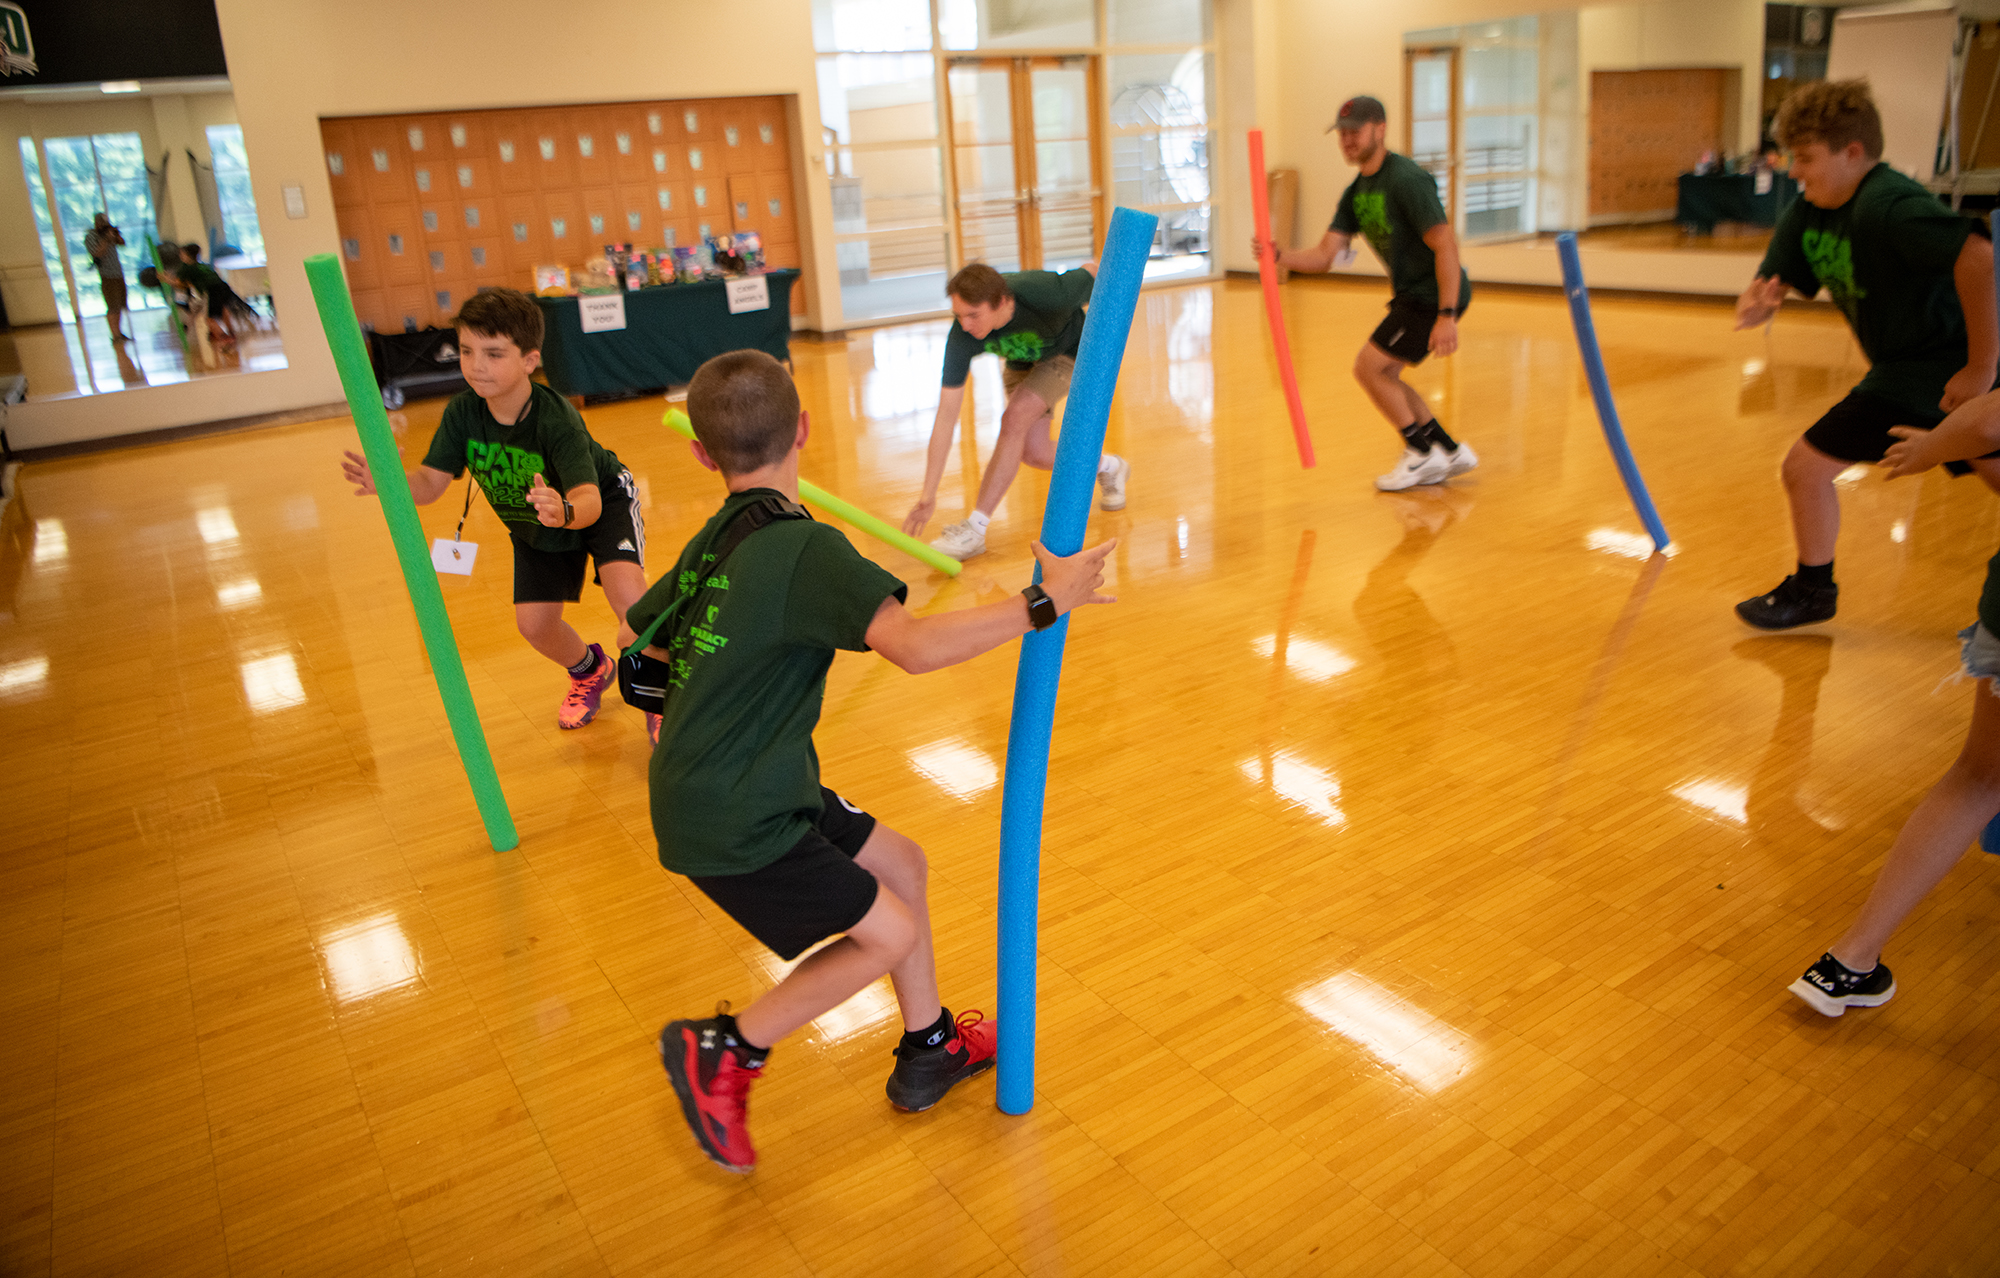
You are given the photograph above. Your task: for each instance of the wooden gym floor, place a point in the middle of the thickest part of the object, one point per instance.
(1423, 872)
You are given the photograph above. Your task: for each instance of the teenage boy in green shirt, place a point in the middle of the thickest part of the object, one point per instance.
(1033, 320)
(736, 796)
(1915, 281)
(516, 435)
(1393, 202)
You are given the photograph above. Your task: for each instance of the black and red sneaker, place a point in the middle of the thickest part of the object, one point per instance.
(922, 1076)
(710, 1072)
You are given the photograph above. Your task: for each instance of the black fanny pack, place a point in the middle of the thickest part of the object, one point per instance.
(642, 680)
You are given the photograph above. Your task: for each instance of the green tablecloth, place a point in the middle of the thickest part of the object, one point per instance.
(1708, 198)
(669, 332)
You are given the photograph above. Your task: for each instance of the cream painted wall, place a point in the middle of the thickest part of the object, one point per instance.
(294, 62)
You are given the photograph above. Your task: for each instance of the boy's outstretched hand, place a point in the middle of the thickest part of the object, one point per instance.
(1759, 302)
(548, 503)
(355, 471)
(1905, 455)
(1073, 582)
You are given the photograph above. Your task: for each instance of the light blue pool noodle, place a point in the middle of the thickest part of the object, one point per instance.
(1106, 325)
(1600, 389)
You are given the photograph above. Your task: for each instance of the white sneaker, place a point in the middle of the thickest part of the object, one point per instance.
(1113, 482)
(961, 541)
(1462, 460)
(1417, 468)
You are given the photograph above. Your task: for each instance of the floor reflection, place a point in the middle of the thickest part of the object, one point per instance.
(1398, 1033)
(1771, 806)
(368, 958)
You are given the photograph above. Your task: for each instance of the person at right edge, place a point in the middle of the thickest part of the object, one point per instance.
(1915, 281)
(1851, 973)
(1394, 202)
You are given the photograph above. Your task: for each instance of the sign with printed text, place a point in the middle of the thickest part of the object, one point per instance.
(751, 293)
(602, 314)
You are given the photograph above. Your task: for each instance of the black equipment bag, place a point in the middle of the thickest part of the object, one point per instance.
(642, 680)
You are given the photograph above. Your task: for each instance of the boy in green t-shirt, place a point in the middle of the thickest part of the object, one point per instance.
(1033, 320)
(1915, 281)
(736, 796)
(1393, 202)
(513, 433)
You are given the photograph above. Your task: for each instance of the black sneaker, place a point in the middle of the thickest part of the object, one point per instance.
(1793, 603)
(1831, 987)
(922, 1077)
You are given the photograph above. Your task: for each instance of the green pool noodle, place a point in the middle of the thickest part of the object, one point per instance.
(378, 442)
(678, 422)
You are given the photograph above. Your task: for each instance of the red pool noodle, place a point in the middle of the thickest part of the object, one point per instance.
(1267, 271)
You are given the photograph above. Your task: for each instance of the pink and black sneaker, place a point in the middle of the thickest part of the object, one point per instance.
(579, 704)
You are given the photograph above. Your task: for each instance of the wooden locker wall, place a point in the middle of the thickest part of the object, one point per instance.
(432, 207)
(1646, 129)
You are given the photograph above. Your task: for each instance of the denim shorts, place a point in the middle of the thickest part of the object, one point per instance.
(1979, 652)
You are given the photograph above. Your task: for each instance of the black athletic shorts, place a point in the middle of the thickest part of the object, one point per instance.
(1857, 430)
(618, 536)
(811, 892)
(1406, 334)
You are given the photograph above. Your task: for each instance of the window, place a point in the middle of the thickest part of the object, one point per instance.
(232, 189)
(45, 227)
(105, 172)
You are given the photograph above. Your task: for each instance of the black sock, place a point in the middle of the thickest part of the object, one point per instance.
(585, 668)
(1816, 575)
(1417, 437)
(932, 1036)
(753, 1056)
(1438, 436)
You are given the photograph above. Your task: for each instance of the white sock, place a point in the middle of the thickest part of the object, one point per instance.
(979, 519)
(1106, 463)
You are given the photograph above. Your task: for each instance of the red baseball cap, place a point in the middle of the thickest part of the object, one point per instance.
(1358, 111)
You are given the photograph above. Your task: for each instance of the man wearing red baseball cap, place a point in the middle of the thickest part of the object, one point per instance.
(1394, 203)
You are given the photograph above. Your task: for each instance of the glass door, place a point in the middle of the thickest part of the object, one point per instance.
(1431, 89)
(992, 195)
(1024, 161)
(1062, 191)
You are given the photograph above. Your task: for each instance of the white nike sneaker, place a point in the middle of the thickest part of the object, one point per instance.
(1417, 468)
(961, 541)
(1462, 459)
(1113, 483)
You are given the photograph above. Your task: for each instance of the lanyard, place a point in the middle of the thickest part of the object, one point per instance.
(470, 483)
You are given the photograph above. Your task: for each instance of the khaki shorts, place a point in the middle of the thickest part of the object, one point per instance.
(1048, 379)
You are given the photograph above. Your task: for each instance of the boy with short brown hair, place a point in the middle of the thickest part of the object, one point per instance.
(1915, 281)
(737, 802)
(512, 432)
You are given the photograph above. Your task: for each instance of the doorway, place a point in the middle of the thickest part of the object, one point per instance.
(1026, 185)
(1430, 86)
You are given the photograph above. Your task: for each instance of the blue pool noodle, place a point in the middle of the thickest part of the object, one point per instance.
(1600, 388)
(1113, 300)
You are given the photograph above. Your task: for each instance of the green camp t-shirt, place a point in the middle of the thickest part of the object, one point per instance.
(1392, 208)
(735, 779)
(1885, 258)
(550, 440)
(1047, 322)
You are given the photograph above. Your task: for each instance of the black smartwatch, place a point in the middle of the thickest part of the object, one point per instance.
(569, 512)
(1450, 310)
(1041, 608)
